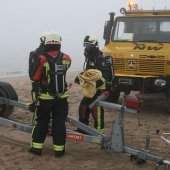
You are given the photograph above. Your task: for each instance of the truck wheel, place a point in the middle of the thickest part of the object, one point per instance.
(7, 91)
(168, 101)
(113, 96)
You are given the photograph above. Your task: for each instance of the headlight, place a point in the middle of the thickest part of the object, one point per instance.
(160, 82)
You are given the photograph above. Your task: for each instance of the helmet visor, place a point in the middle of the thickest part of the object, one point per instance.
(88, 45)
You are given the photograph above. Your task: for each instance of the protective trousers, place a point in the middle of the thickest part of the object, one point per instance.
(57, 110)
(97, 113)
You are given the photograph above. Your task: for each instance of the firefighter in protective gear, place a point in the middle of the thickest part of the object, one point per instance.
(93, 60)
(47, 72)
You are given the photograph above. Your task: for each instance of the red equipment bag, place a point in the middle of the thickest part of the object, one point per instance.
(133, 103)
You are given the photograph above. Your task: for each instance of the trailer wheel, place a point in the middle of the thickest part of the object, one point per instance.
(7, 91)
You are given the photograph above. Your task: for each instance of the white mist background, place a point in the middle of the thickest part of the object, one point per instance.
(24, 21)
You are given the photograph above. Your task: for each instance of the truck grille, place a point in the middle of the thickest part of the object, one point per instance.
(152, 65)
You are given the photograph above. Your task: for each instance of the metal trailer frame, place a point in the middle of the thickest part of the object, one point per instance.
(115, 142)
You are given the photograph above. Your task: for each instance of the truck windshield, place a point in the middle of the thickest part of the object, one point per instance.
(144, 29)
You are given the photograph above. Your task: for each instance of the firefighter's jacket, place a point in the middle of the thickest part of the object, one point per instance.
(51, 76)
(88, 81)
(97, 61)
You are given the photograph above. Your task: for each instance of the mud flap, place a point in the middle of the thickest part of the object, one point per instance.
(6, 90)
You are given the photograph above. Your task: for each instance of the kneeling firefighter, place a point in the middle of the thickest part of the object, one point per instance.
(94, 60)
(47, 72)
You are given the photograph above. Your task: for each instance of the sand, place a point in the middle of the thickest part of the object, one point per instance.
(14, 144)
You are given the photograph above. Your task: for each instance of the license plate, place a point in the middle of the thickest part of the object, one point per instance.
(125, 81)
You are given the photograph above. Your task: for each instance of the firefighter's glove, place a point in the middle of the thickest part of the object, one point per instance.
(32, 107)
(99, 83)
(76, 80)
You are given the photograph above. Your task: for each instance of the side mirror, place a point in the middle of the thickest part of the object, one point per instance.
(106, 29)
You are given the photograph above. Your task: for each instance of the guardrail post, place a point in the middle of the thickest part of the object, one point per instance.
(117, 137)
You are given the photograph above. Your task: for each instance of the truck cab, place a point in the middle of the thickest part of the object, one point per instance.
(139, 43)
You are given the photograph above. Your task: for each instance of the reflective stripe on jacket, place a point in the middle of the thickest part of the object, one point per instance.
(43, 75)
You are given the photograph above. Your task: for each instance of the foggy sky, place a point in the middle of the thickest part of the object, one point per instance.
(24, 21)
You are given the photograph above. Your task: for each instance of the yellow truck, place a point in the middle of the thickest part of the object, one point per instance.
(139, 43)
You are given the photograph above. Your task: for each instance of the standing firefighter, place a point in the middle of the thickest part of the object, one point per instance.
(47, 72)
(94, 60)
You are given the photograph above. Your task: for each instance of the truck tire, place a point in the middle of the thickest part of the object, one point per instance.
(113, 96)
(168, 100)
(7, 91)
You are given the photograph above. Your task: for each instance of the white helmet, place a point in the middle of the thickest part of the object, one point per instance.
(51, 38)
(91, 40)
